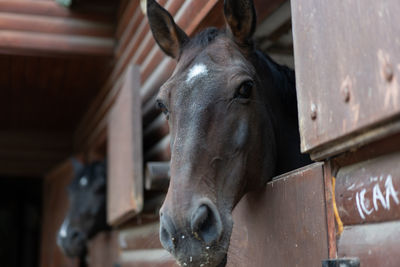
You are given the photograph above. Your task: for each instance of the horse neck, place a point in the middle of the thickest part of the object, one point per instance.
(281, 96)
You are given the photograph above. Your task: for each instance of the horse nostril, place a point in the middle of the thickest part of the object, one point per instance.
(76, 236)
(167, 234)
(206, 223)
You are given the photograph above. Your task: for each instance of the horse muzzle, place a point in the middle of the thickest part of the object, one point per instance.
(73, 243)
(195, 238)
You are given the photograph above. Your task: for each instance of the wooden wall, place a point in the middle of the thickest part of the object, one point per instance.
(55, 205)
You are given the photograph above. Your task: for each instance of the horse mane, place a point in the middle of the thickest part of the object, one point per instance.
(284, 79)
(204, 38)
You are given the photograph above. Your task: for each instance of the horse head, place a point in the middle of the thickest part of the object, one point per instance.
(86, 215)
(225, 111)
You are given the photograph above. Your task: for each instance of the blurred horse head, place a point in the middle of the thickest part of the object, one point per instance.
(86, 215)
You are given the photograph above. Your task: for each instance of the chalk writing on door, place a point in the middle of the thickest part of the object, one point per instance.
(379, 199)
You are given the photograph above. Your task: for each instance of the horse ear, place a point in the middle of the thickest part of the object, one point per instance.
(240, 16)
(167, 34)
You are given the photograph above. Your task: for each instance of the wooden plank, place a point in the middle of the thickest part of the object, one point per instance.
(140, 237)
(284, 224)
(330, 216)
(68, 26)
(48, 8)
(127, 9)
(27, 43)
(378, 148)
(55, 205)
(27, 153)
(125, 159)
(147, 258)
(369, 191)
(347, 72)
(374, 244)
(103, 249)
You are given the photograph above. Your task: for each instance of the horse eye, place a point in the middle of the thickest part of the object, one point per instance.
(162, 107)
(244, 91)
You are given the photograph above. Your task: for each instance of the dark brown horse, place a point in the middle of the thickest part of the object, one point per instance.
(86, 215)
(233, 123)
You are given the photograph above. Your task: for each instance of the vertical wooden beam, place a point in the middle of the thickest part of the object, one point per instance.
(125, 157)
(330, 217)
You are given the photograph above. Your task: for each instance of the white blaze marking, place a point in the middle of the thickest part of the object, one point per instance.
(83, 181)
(196, 71)
(64, 227)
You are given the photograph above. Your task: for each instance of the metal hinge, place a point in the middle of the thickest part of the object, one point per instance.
(344, 262)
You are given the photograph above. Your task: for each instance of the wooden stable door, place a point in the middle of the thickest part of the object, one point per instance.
(347, 59)
(284, 224)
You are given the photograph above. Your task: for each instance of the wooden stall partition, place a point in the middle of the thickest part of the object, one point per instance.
(141, 247)
(347, 58)
(125, 156)
(284, 224)
(368, 202)
(368, 191)
(55, 205)
(374, 244)
(104, 250)
(46, 28)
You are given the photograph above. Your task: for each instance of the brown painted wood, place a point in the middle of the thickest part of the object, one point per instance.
(374, 244)
(44, 98)
(375, 149)
(32, 153)
(49, 8)
(330, 216)
(125, 158)
(103, 249)
(141, 237)
(55, 205)
(28, 43)
(127, 9)
(284, 224)
(55, 25)
(147, 258)
(369, 191)
(348, 71)
(155, 263)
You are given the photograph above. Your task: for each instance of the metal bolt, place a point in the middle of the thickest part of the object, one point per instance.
(388, 72)
(313, 111)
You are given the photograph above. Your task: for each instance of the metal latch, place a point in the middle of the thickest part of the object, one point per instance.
(344, 262)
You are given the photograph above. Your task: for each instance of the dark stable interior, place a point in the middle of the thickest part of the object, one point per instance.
(20, 213)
